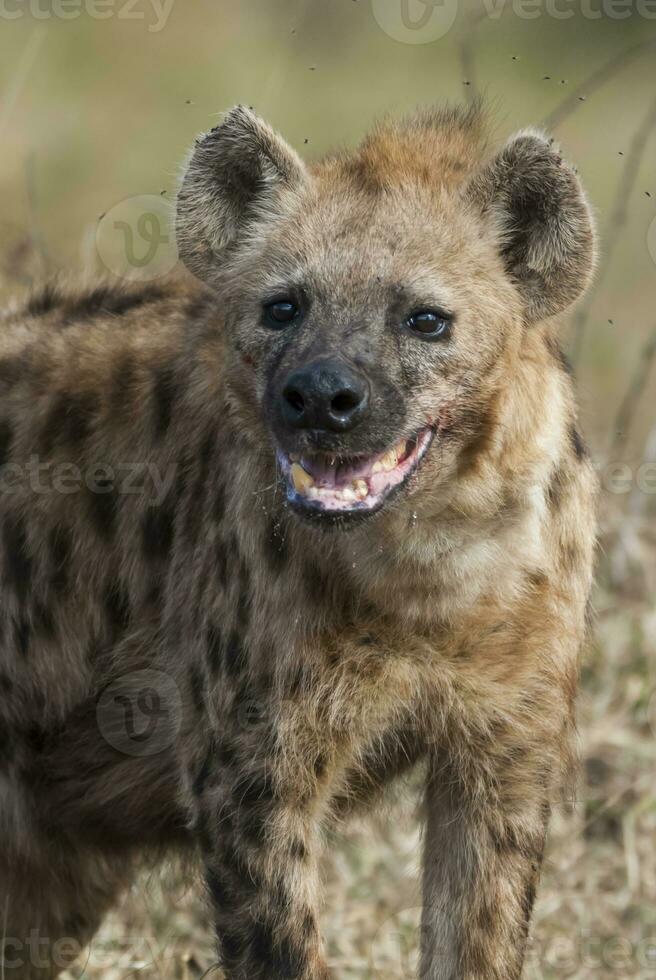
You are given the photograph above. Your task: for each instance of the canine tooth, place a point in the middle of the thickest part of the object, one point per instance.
(302, 481)
(389, 460)
(361, 488)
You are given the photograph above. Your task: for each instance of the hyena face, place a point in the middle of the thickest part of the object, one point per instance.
(373, 304)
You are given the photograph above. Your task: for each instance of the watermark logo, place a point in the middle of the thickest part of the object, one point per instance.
(140, 714)
(135, 238)
(153, 13)
(415, 21)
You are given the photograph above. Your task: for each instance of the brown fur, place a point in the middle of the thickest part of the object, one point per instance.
(312, 666)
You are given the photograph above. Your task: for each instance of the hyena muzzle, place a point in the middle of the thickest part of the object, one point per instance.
(274, 538)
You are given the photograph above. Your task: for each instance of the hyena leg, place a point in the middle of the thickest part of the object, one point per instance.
(51, 904)
(483, 852)
(259, 837)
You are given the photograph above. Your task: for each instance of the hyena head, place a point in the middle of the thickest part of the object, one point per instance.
(374, 301)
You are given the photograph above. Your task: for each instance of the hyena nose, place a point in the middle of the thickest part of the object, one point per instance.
(325, 395)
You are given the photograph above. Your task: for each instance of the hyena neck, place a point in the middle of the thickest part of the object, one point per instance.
(490, 525)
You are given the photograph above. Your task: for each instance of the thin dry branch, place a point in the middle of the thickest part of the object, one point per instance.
(629, 404)
(616, 221)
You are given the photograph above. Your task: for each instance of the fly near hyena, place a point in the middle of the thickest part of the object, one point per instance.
(371, 546)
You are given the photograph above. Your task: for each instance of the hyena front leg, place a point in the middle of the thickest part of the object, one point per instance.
(483, 851)
(258, 828)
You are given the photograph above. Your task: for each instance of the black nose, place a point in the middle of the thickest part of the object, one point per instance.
(325, 395)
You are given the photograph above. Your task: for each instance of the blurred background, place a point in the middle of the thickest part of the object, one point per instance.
(100, 101)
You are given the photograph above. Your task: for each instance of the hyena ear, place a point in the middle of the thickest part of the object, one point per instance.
(237, 174)
(545, 223)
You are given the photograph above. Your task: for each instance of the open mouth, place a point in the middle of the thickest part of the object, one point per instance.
(318, 483)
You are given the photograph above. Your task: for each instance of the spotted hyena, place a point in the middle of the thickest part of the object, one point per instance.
(273, 539)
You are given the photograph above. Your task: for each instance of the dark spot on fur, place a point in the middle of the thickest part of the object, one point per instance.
(109, 300)
(165, 390)
(316, 586)
(279, 954)
(298, 850)
(556, 488)
(60, 558)
(578, 445)
(559, 356)
(197, 687)
(117, 609)
(157, 532)
(47, 299)
(203, 774)
(44, 621)
(275, 549)
(6, 683)
(18, 561)
(23, 632)
(320, 766)
(252, 789)
(219, 892)
(7, 744)
(234, 659)
(254, 825)
(233, 946)
(226, 755)
(198, 307)
(6, 437)
(123, 386)
(219, 503)
(12, 369)
(103, 505)
(69, 420)
(214, 644)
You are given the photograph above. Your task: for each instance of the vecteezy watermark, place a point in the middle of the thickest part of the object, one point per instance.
(154, 13)
(415, 21)
(566, 9)
(135, 239)
(621, 478)
(140, 714)
(37, 951)
(123, 479)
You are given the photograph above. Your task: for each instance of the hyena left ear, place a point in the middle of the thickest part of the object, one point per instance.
(545, 224)
(237, 174)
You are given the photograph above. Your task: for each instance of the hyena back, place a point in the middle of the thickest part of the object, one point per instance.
(317, 519)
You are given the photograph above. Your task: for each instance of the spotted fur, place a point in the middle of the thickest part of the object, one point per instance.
(145, 529)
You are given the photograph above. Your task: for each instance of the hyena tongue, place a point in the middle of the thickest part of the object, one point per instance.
(333, 474)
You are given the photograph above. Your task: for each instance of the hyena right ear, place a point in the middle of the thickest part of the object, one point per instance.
(237, 174)
(543, 221)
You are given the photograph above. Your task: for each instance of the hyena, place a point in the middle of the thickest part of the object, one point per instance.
(368, 546)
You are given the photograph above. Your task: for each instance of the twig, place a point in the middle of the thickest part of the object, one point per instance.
(617, 220)
(635, 389)
(23, 69)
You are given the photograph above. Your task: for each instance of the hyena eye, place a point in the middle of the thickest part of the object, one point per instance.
(280, 312)
(429, 324)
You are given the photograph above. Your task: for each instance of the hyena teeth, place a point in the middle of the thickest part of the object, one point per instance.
(389, 460)
(361, 489)
(348, 494)
(377, 467)
(302, 481)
